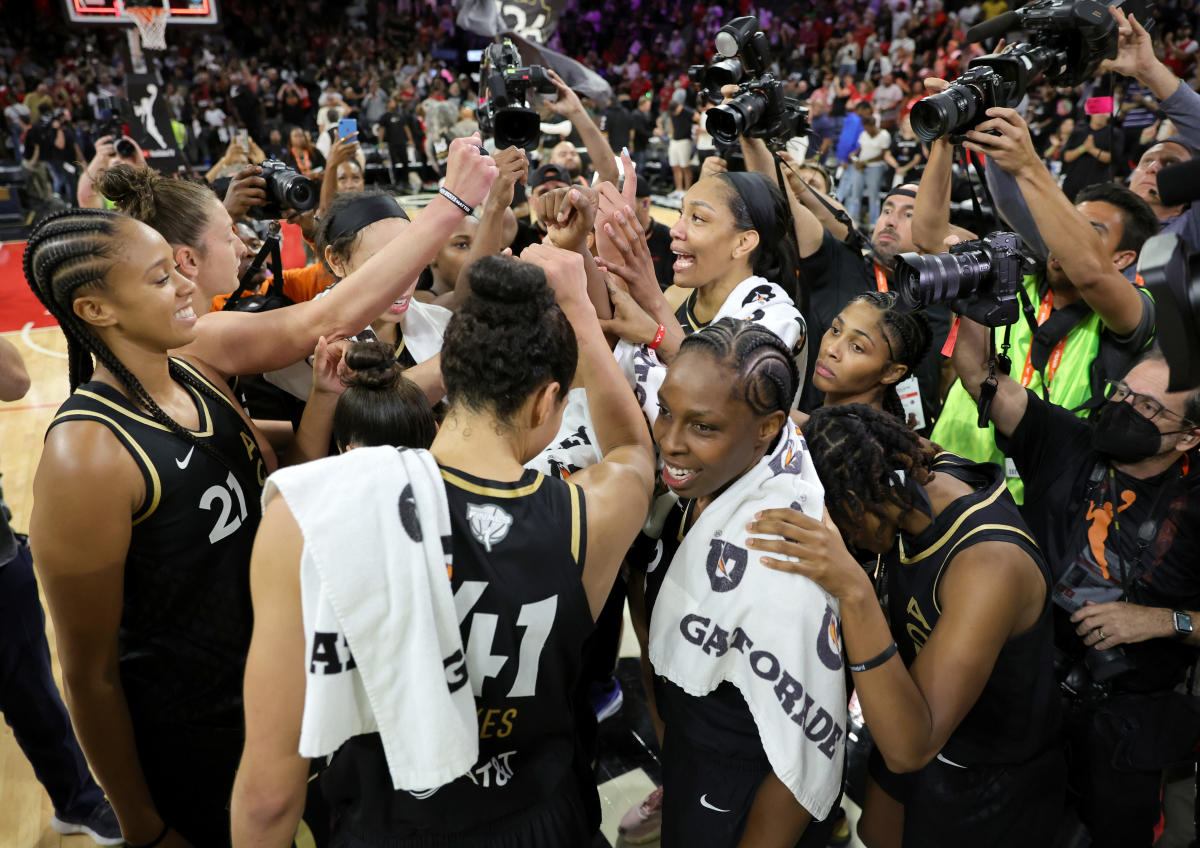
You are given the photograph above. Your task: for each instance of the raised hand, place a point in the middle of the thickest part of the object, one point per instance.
(470, 171)
(569, 214)
(246, 190)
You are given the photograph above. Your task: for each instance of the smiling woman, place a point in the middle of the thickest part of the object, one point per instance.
(146, 506)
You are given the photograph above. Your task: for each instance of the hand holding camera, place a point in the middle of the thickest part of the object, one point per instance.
(1004, 136)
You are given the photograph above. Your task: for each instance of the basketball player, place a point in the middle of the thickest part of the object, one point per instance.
(146, 503)
(965, 720)
(540, 553)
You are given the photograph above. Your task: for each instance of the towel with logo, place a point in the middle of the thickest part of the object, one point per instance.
(722, 616)
(383, 652)
(423, 325)
(574, 447)
(755, 299)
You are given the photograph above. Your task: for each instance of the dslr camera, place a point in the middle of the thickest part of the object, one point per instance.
(287, 190)
(116, 124)
(759, 109)
(979, 279)
(505, 113)
(1172, 273)
(1068, 39)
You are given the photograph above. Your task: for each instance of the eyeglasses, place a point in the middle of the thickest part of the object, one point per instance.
(1119, 392)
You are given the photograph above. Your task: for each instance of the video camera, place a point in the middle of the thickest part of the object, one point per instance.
(287, 190)
(759, 109)
(1172, 273)
(1068, 39)
(979, 279)
(116, 124)
(505, 114)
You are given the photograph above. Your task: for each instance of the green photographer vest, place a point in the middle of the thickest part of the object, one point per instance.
(957, 431)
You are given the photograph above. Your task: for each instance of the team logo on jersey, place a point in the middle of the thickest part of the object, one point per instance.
(726, 565)
(408, 514)
(829, 646)
(489, 524)
(758, 294)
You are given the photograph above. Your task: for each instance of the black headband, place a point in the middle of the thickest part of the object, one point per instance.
(759, 204)
(907, 192)
(360, 214)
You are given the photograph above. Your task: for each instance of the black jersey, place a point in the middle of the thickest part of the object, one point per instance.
(719, 722)
(1016, 716)
(518, 552)
(186, 616)
(687, 317)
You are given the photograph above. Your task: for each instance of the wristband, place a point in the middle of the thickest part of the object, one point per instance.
(658, 337)
(877, 660)
(157, 840)
(455, 199)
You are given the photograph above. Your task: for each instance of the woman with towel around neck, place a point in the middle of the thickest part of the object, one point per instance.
(748, 673)
(207, 250)
(530, 561)
(965, 719)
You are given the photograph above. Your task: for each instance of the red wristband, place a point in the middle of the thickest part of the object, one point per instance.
(658, 337)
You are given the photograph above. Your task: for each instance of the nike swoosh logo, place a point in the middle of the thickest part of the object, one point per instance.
(183, 463)
(704, 803)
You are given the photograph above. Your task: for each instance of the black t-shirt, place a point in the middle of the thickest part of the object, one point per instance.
(1068, 511)
(658, 238)
(1087, 169)
(643, 128)
(681, 123)
(618, 123)
(904, 150)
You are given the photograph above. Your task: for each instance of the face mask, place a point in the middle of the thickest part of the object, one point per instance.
(1120, 432)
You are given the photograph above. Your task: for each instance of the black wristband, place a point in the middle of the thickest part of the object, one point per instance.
(877, 660)
(455, 199)
(157, 840)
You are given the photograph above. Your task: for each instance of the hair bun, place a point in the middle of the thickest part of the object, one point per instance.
(373, 366)
(131, 189)
(508, 288)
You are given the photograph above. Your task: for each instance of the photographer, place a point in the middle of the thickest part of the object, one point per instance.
(569, 106)
(52, 141)
(1118, 581)
(1136, 59)
(107, 156)
(1089, 320)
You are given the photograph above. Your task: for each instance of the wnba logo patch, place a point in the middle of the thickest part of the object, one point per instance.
(489, 524)
(726, 565)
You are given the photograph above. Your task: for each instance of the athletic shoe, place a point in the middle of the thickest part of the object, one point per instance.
(607, 699)
(100, 823)
(840, 835)
(643, 823)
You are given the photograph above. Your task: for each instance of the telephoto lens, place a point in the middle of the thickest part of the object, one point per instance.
(941, 277)
(942, 113)
(726, 123)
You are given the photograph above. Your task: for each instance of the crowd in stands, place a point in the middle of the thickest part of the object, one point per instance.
(998, 555)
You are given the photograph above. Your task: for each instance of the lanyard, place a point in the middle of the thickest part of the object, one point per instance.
(1055, 356)
(881, 283)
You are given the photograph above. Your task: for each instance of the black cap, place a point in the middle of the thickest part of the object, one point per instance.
(643, 188)
(549, 173)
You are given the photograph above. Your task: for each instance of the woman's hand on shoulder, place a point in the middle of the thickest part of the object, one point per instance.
(810, 548)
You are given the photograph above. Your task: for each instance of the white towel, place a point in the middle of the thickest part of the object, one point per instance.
(383, 652)
(754, 299)
(423, 326)
(722, 616)
(574, 447)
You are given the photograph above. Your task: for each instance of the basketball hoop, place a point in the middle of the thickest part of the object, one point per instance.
(151, 23)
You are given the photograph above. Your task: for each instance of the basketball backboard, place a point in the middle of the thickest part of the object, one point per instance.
(192, 12)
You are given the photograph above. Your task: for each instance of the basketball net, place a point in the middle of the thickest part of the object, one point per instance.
(151, 23)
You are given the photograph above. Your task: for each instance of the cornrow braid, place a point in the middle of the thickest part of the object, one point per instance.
(856, 450)
(73, 251)
(909, 338)
(766, 371)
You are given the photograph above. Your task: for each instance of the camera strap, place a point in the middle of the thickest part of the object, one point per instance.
(271, 247)
(1050, 328)
(987, 389)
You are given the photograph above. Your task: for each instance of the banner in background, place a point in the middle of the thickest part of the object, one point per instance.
(530, 23)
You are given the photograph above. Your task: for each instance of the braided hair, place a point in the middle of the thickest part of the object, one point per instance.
(71, 253)
(856, 450)
(767, 374)
(908, 336)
